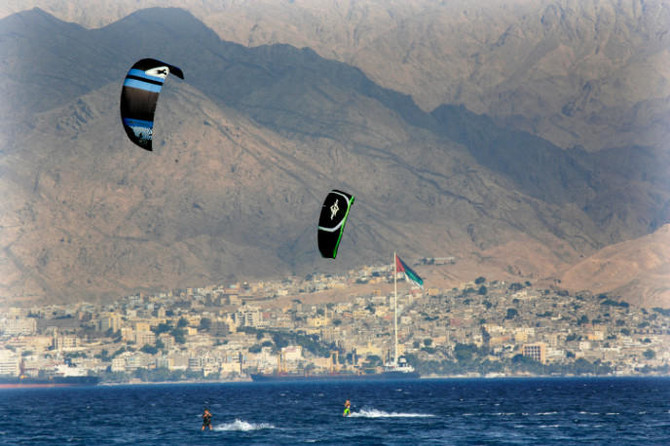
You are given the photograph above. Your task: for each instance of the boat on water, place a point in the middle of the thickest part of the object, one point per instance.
(52, 381)
(399, 368)
(402, 371)
(62, 376)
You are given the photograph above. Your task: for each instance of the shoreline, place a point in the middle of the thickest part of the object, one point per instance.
(423, 378)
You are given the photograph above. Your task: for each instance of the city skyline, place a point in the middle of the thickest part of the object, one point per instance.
(227, 332)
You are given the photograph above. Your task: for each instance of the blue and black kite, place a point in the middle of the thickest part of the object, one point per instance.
(139, 96)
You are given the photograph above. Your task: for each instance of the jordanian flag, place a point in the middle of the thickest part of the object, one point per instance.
(410, 274)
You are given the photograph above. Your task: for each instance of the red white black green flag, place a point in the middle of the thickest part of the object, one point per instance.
(410, 274)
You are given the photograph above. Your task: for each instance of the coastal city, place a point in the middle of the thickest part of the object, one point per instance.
(328, 325)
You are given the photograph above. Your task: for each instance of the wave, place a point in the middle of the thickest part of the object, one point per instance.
(374, 413)
(243, 426)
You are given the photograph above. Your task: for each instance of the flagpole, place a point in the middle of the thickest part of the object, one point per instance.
(395, 307)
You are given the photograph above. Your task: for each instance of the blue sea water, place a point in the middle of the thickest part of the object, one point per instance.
(595, 411)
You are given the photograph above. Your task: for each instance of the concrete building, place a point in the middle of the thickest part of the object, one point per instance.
(143, 338)
(9, 363)
(537, 352)
(292, 353)
(20, 327)
(111, 321)
(65, 342)
(167, 340)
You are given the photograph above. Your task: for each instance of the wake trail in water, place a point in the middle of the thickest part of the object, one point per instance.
(375, 413)
(243, 426)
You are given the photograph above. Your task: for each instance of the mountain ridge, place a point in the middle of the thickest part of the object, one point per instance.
(275, 154)
(566, 70)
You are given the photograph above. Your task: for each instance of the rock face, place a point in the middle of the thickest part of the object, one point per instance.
(246, 149)
(593, 74)
(638, 268)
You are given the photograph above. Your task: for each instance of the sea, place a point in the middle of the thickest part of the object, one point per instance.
(509, 411)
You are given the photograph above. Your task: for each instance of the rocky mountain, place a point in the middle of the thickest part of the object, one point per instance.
(639, 267)
(245, 150)
(592, 74)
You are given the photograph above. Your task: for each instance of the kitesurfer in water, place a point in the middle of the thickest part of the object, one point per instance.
(347, 408)
(206, 420)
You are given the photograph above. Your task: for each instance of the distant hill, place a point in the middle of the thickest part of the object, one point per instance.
(638, 269)
(246, 149)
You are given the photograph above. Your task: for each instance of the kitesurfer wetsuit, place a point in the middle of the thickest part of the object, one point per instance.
(207, 420)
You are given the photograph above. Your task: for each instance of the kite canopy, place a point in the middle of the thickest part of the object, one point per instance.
(334, 214)
(139, 96)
